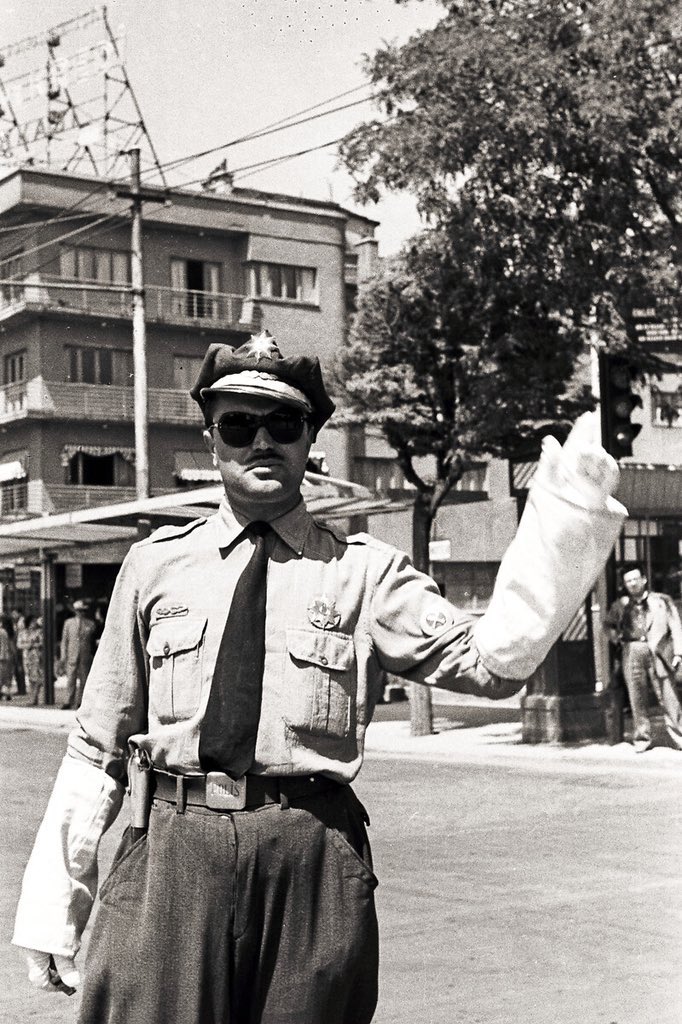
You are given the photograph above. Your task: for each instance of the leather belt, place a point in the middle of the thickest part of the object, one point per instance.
(217, 791)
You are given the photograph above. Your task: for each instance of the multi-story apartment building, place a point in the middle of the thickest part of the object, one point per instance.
(218, 266)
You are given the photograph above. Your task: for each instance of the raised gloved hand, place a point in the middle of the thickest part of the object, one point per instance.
(581, 470)
(52, 973)
(568, 528)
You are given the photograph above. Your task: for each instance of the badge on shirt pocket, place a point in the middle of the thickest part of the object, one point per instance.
(322, 612)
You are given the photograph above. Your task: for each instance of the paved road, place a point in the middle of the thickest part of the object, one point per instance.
(508, 894)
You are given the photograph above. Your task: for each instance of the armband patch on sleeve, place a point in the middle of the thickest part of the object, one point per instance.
(435, 619)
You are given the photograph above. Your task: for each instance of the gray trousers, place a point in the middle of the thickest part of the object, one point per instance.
(263, 916)
(638, 670)
(76, 677)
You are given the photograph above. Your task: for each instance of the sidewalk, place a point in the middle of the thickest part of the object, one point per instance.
(453, 741)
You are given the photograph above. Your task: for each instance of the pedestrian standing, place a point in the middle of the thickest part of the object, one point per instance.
(647, 626)
(17, 619)
(7, 658)
(240, 664)
(30, 644)
(77, 649)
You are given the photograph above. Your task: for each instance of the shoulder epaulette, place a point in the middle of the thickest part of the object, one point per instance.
(172, 531)
(328, 528)
(369, 541)
(360, 539)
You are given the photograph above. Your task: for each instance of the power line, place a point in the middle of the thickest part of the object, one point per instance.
(106, 223)
(43, 223)
(263, 133)
(277, 126)
(274, 126)
(263, 164)
(102, 186)
(61, 238)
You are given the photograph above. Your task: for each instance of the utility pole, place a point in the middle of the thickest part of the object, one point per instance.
(48, 613)
(139, 324)
(603, 592)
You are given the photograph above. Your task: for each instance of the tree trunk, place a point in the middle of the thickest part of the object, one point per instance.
(421, 710)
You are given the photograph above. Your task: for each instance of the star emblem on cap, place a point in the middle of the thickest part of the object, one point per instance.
(261, 346)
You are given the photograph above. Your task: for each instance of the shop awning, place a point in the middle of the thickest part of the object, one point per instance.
(14, 470)
(98, 450)
(646, 489)
(651, 490)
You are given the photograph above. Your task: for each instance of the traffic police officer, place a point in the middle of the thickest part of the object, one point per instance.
(243, 892)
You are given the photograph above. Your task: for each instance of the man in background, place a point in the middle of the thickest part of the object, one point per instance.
(647, 626)
(76, 653)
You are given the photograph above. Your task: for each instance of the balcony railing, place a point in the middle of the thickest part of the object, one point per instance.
(69, 497)
(162, 305)
(45, 399)
(48, 499)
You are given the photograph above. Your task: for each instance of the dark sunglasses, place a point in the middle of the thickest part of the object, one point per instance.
(238, 429)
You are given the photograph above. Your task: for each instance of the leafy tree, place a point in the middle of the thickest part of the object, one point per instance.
(451, 366)
(542, 143)
(559, 124)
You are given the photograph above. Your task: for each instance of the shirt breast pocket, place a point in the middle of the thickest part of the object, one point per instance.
(176, 651)
(320, 678)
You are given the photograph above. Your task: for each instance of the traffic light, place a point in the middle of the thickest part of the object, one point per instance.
(618, 400)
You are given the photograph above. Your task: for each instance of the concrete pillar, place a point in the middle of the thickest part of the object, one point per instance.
(562, 704)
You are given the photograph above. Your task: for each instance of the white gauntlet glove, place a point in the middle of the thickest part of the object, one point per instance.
(566, 533)
(60, 880)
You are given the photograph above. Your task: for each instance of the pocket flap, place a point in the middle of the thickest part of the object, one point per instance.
(326, 649)
(174, 635)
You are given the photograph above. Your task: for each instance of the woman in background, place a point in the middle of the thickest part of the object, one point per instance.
(7, 657)
(30, 643)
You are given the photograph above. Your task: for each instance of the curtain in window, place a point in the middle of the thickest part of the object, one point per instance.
(307, 284)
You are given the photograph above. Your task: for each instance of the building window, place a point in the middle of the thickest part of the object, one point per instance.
(185, 371)
(103, 266)
(281, 281)
(15, 367)
(90, 365)
(666, 407)
(13, 482)
(13, 496)
(194, 282)
(100, 468)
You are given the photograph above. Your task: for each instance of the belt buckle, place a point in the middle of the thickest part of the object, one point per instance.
(224, 793)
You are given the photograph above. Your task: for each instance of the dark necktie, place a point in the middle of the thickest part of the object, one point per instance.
(227, 742)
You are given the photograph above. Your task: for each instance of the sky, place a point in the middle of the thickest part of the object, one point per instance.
(207, 71)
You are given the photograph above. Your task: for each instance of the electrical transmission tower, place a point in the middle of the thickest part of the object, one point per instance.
(66, 102)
